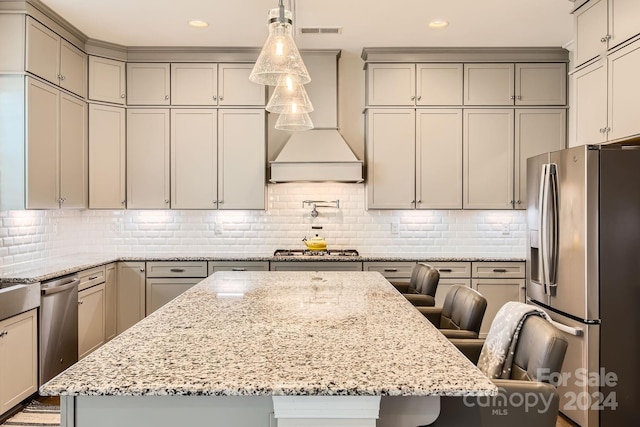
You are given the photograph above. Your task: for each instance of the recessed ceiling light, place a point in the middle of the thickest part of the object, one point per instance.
(438, 24)
(198, 24)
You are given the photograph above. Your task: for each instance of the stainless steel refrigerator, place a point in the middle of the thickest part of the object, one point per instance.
(583, 268)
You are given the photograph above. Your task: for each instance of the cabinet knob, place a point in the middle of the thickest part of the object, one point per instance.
(519, 202)
(122, 95)
(3, 333)
(62, 77)
(607, 129)
(166, 97)
(221, 98)
(215, 98)
(419, 201)
(413, 98)
(123, 202)
(166, 201)
(141, 270)
(80, 302)
(419, 98)
(519, 97)
(606, 38)
(512, 97)
(220, 202)
(215, 202)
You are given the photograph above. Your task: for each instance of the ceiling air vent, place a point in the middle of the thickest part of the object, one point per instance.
(321, 30)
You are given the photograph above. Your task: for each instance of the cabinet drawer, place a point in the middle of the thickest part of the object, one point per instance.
(91, 277)
(453, 269)
(238, 266)
(177, 269)
(391, 270)
(498, 269)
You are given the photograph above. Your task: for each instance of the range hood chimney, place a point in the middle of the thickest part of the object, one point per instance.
(320, 154)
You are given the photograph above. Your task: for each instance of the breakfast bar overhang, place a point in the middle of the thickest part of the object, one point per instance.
(331, 349)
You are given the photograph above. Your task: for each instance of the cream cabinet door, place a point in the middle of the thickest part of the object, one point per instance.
(107, 80)
(194, 159)
(73, 69)
(110, 301)
(74, 148)
(148, 158)
(242, 159)
(439, 84)
(497, 292)
(445, 285)
(42, 145)
(194, 84)
(148, 84)
(624, 87)
(488, 84)
(488, 158)
(541, 84)
(91, 319)
(590, 103)
(161, 291)
(391, 143)
(623, 20)
(391, 84)
(130, 294)
(107, 157)
(43, 51)
(439, 159)
(18, 359)
(537, 131)
(234, 87)
(590, 31)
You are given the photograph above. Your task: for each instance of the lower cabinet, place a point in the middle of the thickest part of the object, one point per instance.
(451, 274)
(168, 279)
(398, 273)
(499, 283)
(161, 291)
(18, 359)
(130, 294)
(91, 319)
(110, 285)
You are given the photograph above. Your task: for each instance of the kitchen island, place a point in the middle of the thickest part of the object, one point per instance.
(242, 348)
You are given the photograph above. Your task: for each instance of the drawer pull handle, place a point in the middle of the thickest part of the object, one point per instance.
(499, 270)
(446, 270)
(177, 270)
(93, 277)
(238, 269)
(390, 270)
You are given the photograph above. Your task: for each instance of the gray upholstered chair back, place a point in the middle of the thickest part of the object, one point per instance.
(540, 349)
(424, 279)
(463, 308)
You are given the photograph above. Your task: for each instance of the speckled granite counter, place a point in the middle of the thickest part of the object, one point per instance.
(45, 269)
(279, 333)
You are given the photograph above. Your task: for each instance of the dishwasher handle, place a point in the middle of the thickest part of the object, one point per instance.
(61, 288)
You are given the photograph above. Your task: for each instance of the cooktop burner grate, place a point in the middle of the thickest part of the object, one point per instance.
(307, 252)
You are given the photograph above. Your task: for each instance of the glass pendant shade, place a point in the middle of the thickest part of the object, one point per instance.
(279, 55)
(289, 97)
(294, 122)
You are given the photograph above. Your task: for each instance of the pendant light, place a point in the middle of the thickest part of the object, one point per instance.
(294, 122)
(279, 55)
(289, 97)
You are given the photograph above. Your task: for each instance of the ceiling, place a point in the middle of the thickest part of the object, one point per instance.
(365, 23)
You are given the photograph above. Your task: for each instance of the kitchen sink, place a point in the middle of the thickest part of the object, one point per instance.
(16, 298)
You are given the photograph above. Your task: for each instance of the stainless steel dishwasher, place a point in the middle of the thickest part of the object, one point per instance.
(58, 326)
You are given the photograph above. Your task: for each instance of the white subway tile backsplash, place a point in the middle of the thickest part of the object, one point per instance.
(30, 235)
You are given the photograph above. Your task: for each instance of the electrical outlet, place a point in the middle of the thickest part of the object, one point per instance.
(394, 228)
(218, 229)
(505, 230)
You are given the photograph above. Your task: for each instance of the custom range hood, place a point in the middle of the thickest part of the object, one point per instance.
(320, 154)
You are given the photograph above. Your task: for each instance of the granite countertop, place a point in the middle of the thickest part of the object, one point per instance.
(50, 268)
(279, 333)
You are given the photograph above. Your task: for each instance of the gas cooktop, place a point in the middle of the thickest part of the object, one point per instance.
(307, 252)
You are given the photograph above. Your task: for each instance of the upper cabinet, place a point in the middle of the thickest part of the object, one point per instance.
(202, 84)
(148, 84)
(54, 59)
(601, 25)
(107, 80)
(414, 84)
(515, 84)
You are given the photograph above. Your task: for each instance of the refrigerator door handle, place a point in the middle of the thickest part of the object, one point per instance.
(578, 332)
(553, 242)
(542, 228)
